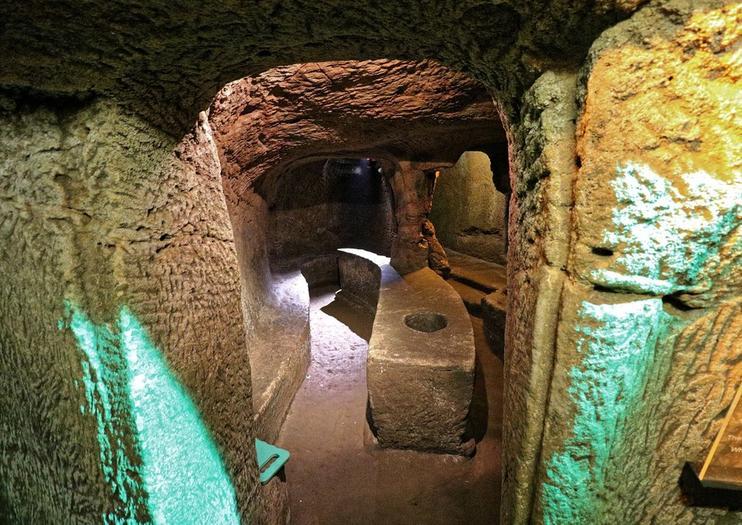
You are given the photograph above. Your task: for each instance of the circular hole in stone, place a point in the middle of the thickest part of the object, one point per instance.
(426, 321)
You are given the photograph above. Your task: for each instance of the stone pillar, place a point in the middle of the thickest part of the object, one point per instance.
(544, 168)
(415, 245)
(468, 211)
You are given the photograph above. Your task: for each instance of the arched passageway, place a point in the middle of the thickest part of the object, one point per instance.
(306, 209)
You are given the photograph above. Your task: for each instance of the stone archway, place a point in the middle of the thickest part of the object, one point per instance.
(417, 112)
(412, 115)
(98, 207)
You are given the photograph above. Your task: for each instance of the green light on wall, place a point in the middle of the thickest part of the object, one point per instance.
(668, 234)
(172, 472)
(615, 346)
(105, 384)
(182, 470)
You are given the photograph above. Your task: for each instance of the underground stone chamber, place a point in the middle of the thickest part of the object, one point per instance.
(314, 214)
(139, 269)
(329, 187)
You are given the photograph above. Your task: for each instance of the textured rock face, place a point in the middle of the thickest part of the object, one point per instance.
(117, 254)
(675, 185)
(646, 366)
(469, 213)
(320, 207)
(539, 241)
(168, 64)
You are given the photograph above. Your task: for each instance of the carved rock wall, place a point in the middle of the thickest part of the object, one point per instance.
(468, 212)
(325, 205)
(647, 360)
(118, 253)
(169, 63)
(542, 172)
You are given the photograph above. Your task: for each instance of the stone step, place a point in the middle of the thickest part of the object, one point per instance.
(477, 273)
(471, 296)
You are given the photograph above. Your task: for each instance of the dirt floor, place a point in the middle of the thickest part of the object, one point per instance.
(337, 475)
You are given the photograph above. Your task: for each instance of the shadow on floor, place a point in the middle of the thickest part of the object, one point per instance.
(357, 318)
(481, 414)
(479, 411)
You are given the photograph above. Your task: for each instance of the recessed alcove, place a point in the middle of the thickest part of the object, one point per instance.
(321, 206)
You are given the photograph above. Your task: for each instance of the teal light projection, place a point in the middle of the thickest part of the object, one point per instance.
(172, 473)
(105, 385)
(183, 472)
(667, 234)
(615, 346)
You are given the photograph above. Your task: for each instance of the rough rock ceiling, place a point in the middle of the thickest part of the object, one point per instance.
(166, 59)
(418, 111)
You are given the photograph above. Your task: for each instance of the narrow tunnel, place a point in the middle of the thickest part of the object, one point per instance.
(347, 216)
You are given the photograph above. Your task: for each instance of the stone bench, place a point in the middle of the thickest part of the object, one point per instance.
(421, 355)
(279, 346)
